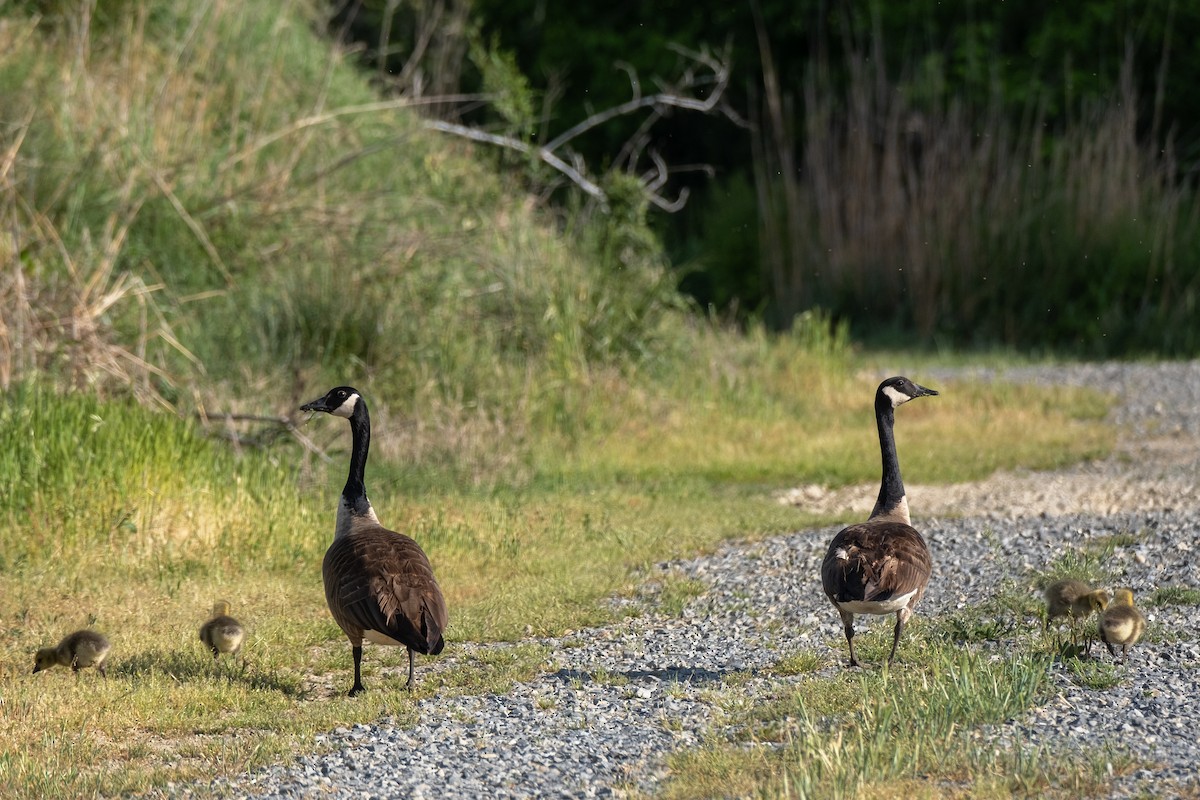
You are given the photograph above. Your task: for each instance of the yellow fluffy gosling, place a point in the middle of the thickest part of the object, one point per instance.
(222, 633)
(1122, 624)
(78, 650)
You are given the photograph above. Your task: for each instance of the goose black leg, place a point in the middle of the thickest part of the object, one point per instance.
(848, 623)
(358, 687)
(896, 636)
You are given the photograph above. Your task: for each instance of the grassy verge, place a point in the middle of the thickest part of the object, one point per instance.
(924, 731)
(132, 522)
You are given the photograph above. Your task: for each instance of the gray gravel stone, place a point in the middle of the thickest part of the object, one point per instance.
(574, 733)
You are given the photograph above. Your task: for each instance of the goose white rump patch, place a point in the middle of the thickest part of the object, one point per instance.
(889, 606)
(378, 638)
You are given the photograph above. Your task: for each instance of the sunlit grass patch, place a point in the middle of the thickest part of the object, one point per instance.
(911, 730)
(671, 593)
(1089, 564)
(540, 556)
(1007, 611)
(1095, 674)
(1174, 596)
(733, 414)
(799, 663)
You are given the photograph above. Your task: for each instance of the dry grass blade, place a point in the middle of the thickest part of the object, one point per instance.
(43, 323)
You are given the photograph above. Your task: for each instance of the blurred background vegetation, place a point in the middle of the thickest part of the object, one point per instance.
(1018, 174)
(193, 190)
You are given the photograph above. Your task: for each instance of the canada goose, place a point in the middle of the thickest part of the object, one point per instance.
(378, 583)
(222, 633)
(880, 566)
(1075, 600)
(77, 650)
(1121, 624)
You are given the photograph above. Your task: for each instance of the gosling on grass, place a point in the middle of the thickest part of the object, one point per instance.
(222, 633)
(1073, 599)
(1122, 624)
(77, 650)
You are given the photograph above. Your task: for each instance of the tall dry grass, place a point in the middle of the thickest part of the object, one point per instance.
(912, 208)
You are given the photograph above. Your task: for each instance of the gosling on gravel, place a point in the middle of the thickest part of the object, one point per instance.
(378, 583)
(77, 650)
(222, 633)
(881, 566)
(1073, 599)
(1122, 624)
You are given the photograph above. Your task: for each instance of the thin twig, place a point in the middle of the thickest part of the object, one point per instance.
(671, 99)
(543, 153)
(329, 116)
(278, 423)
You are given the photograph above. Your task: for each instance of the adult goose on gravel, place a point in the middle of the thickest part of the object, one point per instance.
(1121, 624)
(222, 633)
(378, 583)
(880, 566)
(77, 650)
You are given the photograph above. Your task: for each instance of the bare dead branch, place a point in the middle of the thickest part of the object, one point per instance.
(545, 154)
(663, 173)
(670, 206)
(635, 86)
(703, 72)
(720, 80)
(337, 113)
(271, 429)
(424, 37)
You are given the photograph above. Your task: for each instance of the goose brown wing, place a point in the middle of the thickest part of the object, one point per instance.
(379, 580)
(874, 562)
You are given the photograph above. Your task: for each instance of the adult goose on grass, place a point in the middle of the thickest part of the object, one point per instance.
(1121, 624)
(880, 566)
(77, 650)
(222, 633)
(378, 583)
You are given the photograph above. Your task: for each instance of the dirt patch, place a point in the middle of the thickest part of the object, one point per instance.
(1142, 475)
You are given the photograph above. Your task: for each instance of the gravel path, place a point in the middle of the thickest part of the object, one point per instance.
(615, 702)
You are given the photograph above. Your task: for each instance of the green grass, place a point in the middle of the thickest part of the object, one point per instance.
(1007, 611)
(921, 729)
(1174, 596)
(212, 216)
(150, 529)
(1093, 674)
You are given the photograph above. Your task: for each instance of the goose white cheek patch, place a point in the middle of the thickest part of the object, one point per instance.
(898, 398)
(347, 407)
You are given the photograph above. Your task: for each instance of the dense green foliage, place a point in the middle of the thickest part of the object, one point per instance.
(935, 173)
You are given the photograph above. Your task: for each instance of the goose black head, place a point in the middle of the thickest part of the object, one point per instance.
(339, 401)
(899, 390)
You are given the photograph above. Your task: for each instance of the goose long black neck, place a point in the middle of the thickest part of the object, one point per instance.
(354, 495)
(891, 502)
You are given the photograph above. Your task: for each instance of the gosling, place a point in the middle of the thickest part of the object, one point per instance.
(78, 650)
(222, 633)
(1122, 624)
(1073, 599)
